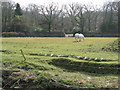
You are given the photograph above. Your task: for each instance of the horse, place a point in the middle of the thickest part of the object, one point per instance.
(79, 37)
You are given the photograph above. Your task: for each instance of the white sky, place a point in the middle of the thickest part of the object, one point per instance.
(60, 2)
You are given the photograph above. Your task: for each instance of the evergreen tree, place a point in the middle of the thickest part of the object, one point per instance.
(18, 10)
(19, 23)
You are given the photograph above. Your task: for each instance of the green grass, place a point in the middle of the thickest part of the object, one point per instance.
(74, 72)
(91, 47)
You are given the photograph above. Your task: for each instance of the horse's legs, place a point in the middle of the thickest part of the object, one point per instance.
(78, 39)
(83, 38)
(75, 38)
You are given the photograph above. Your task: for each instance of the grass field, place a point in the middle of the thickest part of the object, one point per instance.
(52, 62)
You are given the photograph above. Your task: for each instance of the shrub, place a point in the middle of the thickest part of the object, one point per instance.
(13, 34)
(114, 46)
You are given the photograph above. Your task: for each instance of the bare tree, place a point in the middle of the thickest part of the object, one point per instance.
(32, 14)
(119, 18)
(95, 22)
(110, 17)
(75, 12)
(80, 18)
(71, 10)
(7, 15)
(89, 11)
(50, 13)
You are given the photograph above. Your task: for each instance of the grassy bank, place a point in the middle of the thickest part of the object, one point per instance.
(49, 71)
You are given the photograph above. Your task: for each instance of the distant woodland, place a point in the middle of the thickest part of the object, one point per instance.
(34, 20)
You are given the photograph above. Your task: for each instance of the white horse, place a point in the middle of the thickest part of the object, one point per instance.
(79, 37)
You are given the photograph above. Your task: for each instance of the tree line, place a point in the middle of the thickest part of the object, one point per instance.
(69, 18)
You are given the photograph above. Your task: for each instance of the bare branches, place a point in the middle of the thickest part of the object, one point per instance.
(50, 12)
(51, 17)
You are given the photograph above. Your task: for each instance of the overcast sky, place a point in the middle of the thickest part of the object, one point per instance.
(60, 2)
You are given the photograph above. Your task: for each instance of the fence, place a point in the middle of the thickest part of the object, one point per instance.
(56, 34)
